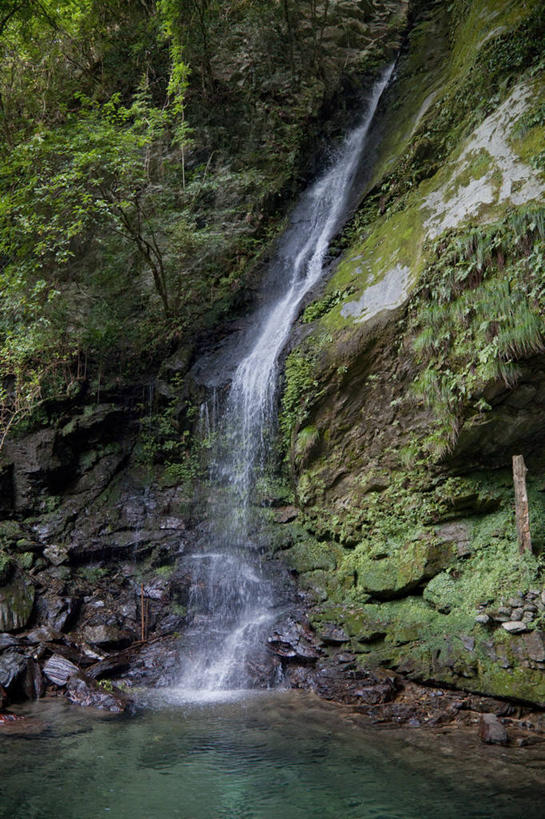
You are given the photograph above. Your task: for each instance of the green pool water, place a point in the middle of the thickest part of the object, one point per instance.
(271, 756)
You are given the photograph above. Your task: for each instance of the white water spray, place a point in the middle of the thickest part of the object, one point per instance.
(231, 601)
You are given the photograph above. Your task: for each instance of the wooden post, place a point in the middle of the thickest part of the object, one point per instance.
(142, 614)
(521, 504)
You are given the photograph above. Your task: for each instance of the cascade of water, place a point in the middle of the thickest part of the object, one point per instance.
(231, 600)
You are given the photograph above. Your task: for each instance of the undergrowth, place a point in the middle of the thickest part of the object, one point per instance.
(302, 388)
(478, 311)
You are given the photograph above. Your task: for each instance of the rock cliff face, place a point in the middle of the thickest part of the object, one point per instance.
(423, 371)
(420, 372)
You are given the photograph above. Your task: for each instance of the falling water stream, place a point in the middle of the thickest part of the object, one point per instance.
(261, 754)
(231, 600)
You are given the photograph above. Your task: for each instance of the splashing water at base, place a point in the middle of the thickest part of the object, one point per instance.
(232, 600)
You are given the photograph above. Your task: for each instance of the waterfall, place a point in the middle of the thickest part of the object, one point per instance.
(231, 600)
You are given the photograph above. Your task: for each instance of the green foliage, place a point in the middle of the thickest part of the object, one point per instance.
(165, 440)
(529, 120)
(93, 574)
(479, 309)
(146, 152)
(319, 308)
(301, 388)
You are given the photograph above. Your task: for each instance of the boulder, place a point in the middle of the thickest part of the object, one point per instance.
(83, 690)
(56, 554)
(42, 634)
(331, 634)
(107, 636)
(293, 641)
(59, 670)
(515, 626)
(14, 538)
(111, 666)
(157, 588)
(491, 730)
(404, 570)
(7, 640)
(285, 514)
(33, 681)
(376, 694)
(58, 612)
(10, 532)
(534, 644)
(459, 534)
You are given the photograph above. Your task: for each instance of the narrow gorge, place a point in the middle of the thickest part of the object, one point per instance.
(272, 331)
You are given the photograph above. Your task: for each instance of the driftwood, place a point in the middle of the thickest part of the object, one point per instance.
(521, 504)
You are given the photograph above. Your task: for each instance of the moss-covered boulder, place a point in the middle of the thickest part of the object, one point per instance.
(16, 602)
(400, 573)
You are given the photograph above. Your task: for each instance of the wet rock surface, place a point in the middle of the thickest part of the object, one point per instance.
(492, 731)
(88, 563)
(106, 563)
(83, 690)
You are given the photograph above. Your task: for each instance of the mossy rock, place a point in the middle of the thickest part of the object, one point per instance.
(10, 532)
(316, 583)
(363, 624)
(517, 683)
(441, 592)
(16, 602)
(309, 555)
(306, 443)
(405, 570)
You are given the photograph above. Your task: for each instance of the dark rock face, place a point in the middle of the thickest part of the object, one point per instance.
(57, 612)
(33, 684)
(82, 522)
(294, 641)
(12, 666)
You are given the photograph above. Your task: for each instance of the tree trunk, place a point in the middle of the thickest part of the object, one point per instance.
(521, 504)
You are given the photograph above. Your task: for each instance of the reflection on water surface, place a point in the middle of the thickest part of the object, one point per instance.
(267, 756)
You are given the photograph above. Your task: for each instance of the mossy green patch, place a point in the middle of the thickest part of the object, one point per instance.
(398, 574)
(513, 683)
(394, 241)
(306, 441)
(475, 166)
(476, 314)
(308, 555)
